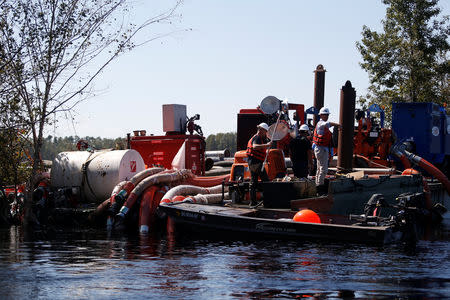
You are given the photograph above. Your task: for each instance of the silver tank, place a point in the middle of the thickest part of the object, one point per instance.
(94, 175)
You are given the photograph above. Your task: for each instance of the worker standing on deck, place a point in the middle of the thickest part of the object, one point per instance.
(322, 146)
(256, 152)
(300, 153)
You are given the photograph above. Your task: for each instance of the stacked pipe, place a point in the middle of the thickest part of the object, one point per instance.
(219, 154)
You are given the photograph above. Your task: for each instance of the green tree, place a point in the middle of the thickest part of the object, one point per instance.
(54, 145)
(14, 146)
(54, 49)
(221, 141)
(14, 160)
(211, 142)
(408, 61)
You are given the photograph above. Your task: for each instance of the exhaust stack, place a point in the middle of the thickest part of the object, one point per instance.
(347, 121)
(319, 89)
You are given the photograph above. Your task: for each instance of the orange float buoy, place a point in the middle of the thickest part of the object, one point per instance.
(410, 171)
(306, 215)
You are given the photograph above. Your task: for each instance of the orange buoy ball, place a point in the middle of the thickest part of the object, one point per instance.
(306, 215)
(178, 198)
(410, 171)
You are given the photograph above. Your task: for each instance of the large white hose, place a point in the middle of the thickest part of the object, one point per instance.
(118, 187)
(183, 190)
(145, 173)
(126, 188)
(207, 199)
(153, 180)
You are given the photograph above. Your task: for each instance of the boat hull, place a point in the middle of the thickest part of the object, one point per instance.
(274, 224)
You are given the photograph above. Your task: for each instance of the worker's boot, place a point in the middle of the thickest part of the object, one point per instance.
(322, 190)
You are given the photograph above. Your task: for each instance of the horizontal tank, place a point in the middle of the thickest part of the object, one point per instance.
(94, 174)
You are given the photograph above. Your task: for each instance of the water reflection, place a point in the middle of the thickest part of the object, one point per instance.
(91, 264)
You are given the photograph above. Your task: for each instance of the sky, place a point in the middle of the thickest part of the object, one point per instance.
(225, 55)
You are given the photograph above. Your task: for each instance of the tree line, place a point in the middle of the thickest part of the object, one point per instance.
(221, 141)
(52, 145)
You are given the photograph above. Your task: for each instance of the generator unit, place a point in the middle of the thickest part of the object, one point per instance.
(425, 127)
(161, 150)
(371, 140)
(248, 119)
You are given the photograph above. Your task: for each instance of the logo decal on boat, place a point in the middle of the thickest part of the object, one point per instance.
(270, 227)
(189, 214)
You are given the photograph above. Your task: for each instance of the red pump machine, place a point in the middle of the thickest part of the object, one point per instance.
(161, 150)
(248, 119)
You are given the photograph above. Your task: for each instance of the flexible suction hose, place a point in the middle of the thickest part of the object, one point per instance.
(399, 152)
(183, 190)
(206, 199)
(207, 181)
(105, 205)
(427, 166)
(149, 203)
(123, 189)
(149, 181)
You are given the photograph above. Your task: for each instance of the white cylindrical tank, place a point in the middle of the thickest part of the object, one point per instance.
(95, 174)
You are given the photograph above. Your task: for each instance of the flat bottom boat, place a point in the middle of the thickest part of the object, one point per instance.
(279, 223)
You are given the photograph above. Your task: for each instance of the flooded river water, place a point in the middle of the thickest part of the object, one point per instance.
(92, 265)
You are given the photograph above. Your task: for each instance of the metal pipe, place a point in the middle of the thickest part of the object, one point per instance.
(319, 90)
(128, 141)
(347, 121)
(218, 153)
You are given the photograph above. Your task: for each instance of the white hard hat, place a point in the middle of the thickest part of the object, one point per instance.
(263, 126)
(304, 127)
(324, 111)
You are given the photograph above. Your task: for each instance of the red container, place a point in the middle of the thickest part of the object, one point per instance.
(160, 150)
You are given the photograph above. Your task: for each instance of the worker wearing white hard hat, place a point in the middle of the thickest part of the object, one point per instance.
(256, 153)
(263, 126)
(324, 111)
(304, 127)
(322, 146)
(300, 153)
